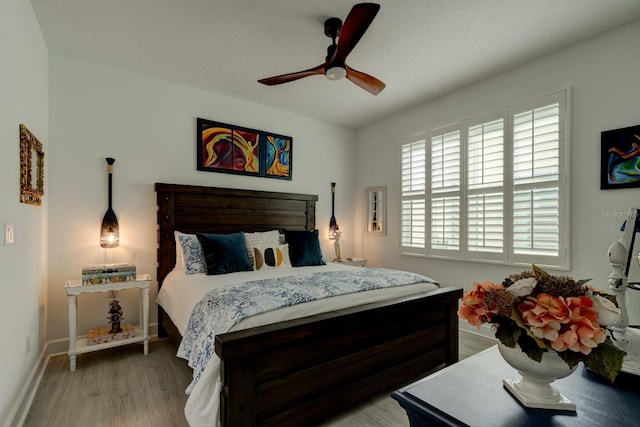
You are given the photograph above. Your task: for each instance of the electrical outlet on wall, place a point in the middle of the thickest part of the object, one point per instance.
(8, 234)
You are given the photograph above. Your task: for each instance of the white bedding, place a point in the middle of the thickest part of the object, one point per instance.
(181, 292)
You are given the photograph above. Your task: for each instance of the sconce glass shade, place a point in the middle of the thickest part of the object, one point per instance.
(110, 233)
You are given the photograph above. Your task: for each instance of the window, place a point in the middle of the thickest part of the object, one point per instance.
(491, 188)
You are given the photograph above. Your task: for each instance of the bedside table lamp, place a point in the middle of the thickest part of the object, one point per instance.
(110, 234)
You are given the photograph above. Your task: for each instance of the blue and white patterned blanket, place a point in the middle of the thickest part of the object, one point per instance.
(222, 308)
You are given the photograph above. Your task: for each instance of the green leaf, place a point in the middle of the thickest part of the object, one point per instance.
(605, 360)
(508, 333)
(529, 346)
(571, 358)
(540, 273)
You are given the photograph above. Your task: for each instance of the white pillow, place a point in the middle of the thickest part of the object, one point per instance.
(271, 257)
(189, 254)
(264, 239)
(179, 256)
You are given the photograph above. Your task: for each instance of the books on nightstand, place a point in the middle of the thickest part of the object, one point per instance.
(108, 273)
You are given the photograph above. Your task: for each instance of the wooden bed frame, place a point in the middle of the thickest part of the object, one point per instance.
(303, 371)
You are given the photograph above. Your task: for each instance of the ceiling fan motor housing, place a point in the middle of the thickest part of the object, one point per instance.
(332, 27)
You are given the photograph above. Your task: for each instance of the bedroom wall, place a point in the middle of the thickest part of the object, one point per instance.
(23, 99)
(148, 126)
(603, 76)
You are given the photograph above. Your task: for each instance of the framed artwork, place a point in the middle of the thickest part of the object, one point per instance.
(31, 168)
(376, 211)
(620, 158)
(238, 150)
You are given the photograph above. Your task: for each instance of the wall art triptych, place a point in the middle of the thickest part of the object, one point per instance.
(238, 150)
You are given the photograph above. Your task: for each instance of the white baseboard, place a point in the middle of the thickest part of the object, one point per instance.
(477, 335)
(20, 409)
(485, 330)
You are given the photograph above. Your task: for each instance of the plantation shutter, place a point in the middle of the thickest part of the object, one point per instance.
(445, 191)
(485, 184)
(413, 193)
(536, 181)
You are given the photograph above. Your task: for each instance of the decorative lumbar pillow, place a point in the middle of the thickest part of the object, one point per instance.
(304, 248)
(189, 255)
(261, 238)
(224, 253)
(271, 257)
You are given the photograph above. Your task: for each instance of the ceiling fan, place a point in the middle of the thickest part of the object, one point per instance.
(335, 67)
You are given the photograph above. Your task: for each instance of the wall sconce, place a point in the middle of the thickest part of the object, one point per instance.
(110, 233)
(333, 225)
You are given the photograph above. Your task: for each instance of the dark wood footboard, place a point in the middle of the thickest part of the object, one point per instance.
(303, 371)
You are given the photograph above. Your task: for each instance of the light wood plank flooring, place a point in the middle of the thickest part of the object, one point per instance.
(122, 387)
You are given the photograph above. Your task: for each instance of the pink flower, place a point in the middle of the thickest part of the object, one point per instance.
(583, 332)
(544, 314)
(473, 308)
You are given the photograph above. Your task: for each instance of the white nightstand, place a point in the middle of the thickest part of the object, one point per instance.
(74, 288)
(358, 262)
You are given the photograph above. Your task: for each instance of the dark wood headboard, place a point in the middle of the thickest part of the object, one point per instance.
(191, 209)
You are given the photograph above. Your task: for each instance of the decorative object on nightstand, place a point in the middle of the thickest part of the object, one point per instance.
(336, 243)
(97, 339)
(115, 314)
(110, 233)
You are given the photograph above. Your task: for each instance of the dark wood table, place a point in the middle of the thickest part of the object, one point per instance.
(470, 393)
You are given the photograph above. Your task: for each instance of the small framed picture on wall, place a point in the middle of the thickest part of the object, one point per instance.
(620, 158)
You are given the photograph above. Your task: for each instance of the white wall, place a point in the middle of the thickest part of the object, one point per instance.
(603, 76)
(148, 126)
(23, 99)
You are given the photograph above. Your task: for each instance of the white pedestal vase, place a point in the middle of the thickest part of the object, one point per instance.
(533, 388)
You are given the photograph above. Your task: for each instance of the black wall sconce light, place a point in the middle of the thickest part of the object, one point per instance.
(110, 233)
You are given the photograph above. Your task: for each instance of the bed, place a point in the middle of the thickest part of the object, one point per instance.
(303, 371)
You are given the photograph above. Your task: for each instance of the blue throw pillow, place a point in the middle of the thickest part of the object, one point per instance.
(224, 253)
(304, 248)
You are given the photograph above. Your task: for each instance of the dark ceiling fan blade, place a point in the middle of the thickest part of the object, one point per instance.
(285, 78)
(353, 29)
(365, 81)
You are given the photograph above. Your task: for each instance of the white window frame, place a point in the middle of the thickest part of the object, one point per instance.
(508, 255)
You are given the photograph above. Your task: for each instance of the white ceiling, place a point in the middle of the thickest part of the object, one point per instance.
(420, 48)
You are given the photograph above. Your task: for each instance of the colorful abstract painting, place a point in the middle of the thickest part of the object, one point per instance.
(620, 158)
(278, 156)
(234, 149)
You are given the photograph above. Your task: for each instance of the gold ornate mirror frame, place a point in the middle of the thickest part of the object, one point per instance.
(31, 168)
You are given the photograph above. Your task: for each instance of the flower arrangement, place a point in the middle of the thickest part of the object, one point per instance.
(541, 313)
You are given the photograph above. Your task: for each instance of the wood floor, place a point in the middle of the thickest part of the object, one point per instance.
(122, 387)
